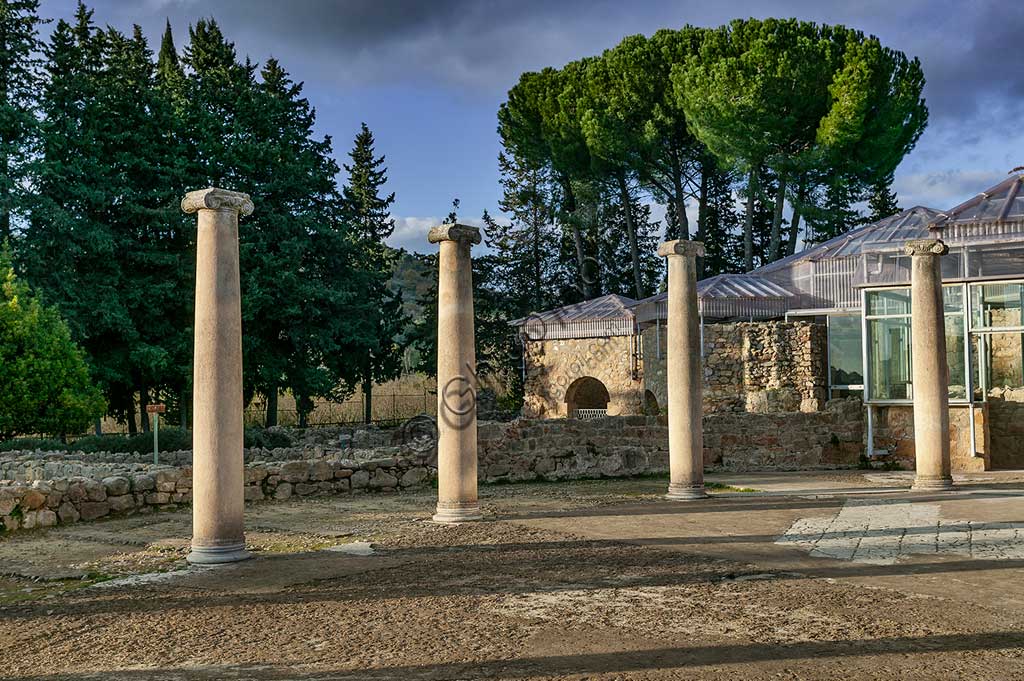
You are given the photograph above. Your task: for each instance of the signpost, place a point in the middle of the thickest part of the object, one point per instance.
(156, 410)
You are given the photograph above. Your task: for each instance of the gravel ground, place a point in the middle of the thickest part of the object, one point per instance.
(499, 599)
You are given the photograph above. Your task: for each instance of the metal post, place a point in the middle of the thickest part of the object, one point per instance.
(156, 438)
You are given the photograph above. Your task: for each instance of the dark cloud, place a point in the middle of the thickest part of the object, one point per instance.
(971, 51)
(472, 51)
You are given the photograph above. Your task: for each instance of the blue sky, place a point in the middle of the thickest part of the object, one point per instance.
(428, 76)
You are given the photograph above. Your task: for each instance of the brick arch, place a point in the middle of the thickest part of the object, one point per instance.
(586, 392)
(651, 406)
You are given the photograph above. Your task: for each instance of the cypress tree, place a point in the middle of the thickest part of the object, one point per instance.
(368, 214)
(72, 254)
(883, 201)
(19, 83)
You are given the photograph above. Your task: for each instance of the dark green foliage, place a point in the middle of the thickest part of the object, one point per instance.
(883, 201)
(19, 82)
(171, 439)
(122, 137)
(379, 320)
(46, 383)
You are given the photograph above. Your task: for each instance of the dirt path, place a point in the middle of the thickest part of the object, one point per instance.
(560, 584)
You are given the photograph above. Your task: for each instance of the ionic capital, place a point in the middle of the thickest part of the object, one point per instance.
(693, 249)
(454, 232)
(925, 247)
(217, 199)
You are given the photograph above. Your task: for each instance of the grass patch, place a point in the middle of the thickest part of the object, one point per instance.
(719, 487)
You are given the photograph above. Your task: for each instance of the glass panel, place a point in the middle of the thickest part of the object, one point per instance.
(890, 302)
(953, 298)
(997, 362)
(955, 356)
(1004, 260)
(952, 265)
(889, 357)
(841, 393)
(1003, 361)
(845, 350)
(995, 306)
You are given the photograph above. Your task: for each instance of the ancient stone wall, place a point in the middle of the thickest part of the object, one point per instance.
(553, 366)
(759, 367)
(1006, 427)
(33, 502)
(560, 449)
(893, 428)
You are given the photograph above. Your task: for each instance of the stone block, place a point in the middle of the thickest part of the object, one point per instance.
(283, 491)
(360, 479)
(68, 513)
(33, 499)
(253, 493)
(121, 503)
(143, 483)
(77, 492)
(46, 518)
(116, 485)
(320, 470)
(305, 488)
(95, 491)
(295, 471)
(255, 474)
(90, 510)
(7, 501)
(158, 498)
(381, 479)
(413, 477)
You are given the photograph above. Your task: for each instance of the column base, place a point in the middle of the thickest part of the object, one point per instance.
(453, 513)
(217, 555)
(679, 492)
(931, 484)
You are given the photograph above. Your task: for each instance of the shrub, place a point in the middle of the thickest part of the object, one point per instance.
(267, 439)
(44, 381)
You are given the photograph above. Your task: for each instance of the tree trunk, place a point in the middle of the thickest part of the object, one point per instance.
(367, 394)
(130, 413)
(569, 205)
(794, 223)
(537, 295)
(776, 238)
(271, 419)
(634, 252)
(748, 223)
(702, 215)
(143, 403)
(183, 401)
(99, 426)
(679, 202)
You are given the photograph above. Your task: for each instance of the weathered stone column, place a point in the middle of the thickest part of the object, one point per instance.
(930, 369)
(683, 372)
(218, 467)
(456, 376)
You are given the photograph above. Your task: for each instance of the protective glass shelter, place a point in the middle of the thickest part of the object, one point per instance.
(859, 284)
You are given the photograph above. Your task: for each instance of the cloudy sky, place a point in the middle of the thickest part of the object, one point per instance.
(428, 76)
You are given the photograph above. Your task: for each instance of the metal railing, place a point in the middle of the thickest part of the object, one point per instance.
(590, 413)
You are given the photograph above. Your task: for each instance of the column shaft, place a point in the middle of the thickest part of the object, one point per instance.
(684, 373)
(456, 378)
(218, 467)
(930, 368)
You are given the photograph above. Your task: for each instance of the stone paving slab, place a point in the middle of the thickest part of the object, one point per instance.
(885, 532)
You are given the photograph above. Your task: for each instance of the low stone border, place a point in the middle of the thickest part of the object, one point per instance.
(46, 503)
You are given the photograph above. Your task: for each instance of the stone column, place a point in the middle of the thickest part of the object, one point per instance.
(218, 469)
(930, 369)
(684, 372)
(456, 376)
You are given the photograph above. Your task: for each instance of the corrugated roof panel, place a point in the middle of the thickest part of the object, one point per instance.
(1003, 203)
